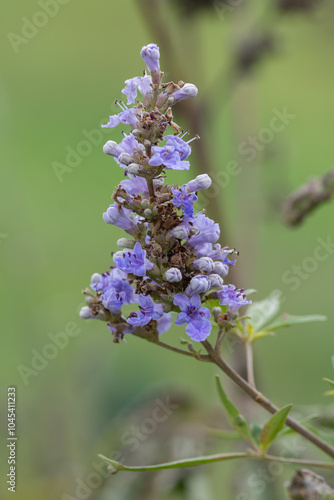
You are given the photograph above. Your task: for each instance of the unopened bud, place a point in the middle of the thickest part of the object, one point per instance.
(204, 264)
(173, 275)
(215, 280)
(133, 168)
(145, 203)
(180, 232)
(221, 269)
(125, 158)
(86, 313)
(89, 300)
(216, 312)
(125, 243)
(112, 148)
(198, 284)
(188, 90)
(148, 213)
(202, 181)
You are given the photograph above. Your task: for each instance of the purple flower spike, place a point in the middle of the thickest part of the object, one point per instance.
(151, 55)
(133, 261)
(148, 311)
(194, 316)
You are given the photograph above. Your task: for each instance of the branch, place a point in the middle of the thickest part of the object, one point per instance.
(264, 402)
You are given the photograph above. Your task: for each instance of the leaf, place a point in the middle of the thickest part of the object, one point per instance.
(256, 432)
(330, 382)
(114, 466)
(237, 420)
(274, 425)
(290, 320)
(264, 311)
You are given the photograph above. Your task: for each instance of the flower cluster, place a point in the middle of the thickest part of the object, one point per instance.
(171, 261)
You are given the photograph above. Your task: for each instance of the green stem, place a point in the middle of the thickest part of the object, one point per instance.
(191, 462)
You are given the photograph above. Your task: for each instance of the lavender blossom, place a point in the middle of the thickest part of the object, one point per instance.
(133, 261)
(194, 316)
(232, 297)
(173, 155)
(148, 311)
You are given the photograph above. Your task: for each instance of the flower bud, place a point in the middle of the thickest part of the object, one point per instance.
(147, 213)
(86, 313)
(150, 53)
(125, 159)
(215, 280)
(95, 278)
(216, 312)
(221, 269)
(145, 203)
(112, 148)
(89, 300)
(173, 275)
(188, 90)
(125, 243)
(180, 232)
(198, 284)
(133, 169)
(204, 264)
(202, 181)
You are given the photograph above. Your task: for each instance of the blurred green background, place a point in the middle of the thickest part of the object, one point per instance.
(61, 82)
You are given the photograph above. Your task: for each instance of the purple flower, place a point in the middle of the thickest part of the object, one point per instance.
(135, 185)
(151, 54)
(232, 297)
(148, 311)
(184, 199)
(128, 117)
(188, 90)
(164, 323)
(173, 155)
(141, 83)
(133, 261)
(194, 316)
(121, 217)
(116, 289)
(208, 232)
(221, 254)
(198, 284)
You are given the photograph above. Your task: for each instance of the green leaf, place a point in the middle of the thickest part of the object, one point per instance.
(290, 320)
(115, 466)
(237, 420)
(330, 382)
(256, 432)
(264, 311)
(274, 425)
